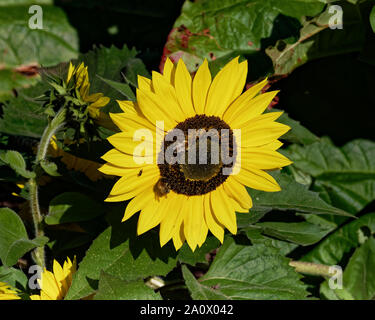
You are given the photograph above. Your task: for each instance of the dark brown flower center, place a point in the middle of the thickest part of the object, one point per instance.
(195, 154)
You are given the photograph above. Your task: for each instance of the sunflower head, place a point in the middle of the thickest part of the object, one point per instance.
(189, 148)
(71, 93)
(55, 285)
(7, 292)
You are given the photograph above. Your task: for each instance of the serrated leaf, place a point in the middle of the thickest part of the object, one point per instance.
(293, 196)
(358, 278)
(120, 253)
(14, 277)
(72, 207)
(332, 249)
(113, 288)
(303, 233)
(205, 28)
(256, 237)
(110, 63)
(23, 117)
(50, 168)
(185, 254)
(346, 174)
(121, 87)
(14, 241)
(248, 272)
(198, 291)
(25, 48)
(318, 40)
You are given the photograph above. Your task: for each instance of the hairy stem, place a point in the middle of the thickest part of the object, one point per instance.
(54, 125)
(311, 268)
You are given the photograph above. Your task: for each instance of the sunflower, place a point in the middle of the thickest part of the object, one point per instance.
(189, 199)
(7, 292)
(54, 286)
(82, 85)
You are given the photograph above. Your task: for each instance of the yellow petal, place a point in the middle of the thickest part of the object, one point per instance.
(153, 109)
(183, 84)
(125, 144)
(223, 209)
(70, 72)
(191, 221)
(201, 84)
(242, 102)
(173, 219)
(238, 192)
(169, 70)
(151, 216)
(101, 102)
(49, 285)
(167, 94)
(257, 179)
(215, 226)
(226, 87)
(138, 203)
(179, 238)
(144, 83)
(130, 122)
(133, 180)
(262, 135)
(123, 160)
(129, 107)
(262, 158)
(251, 109)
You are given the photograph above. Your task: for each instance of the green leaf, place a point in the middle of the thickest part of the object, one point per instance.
(15, 160)
(72, 207)
(25, 48)
(198, 291)
(121, 87)
(372, 18)
(303, 233)
(205, 28)
(22, 116)
(358, 278)
(14, 241)
(120, 253)
(332, 249)
(293, 196)
(14, 277)
(113, 288)
(248, 272)
(346, 175)
(111, 63)
(50, 168)
(359, 274)
(318, 40)
(256, 237)
(185, 254)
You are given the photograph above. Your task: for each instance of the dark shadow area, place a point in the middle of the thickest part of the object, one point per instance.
(148, 241)
(332, 96)
(143, 24)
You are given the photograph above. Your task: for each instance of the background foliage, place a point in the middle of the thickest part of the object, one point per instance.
(325, 212)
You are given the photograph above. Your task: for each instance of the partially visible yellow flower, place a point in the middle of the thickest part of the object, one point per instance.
(7, 292)
(55, 286)
(19, 185)
(88, 167)
(82, 83)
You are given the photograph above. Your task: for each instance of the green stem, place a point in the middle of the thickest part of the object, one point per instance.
(53, 126)
(311, 268)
